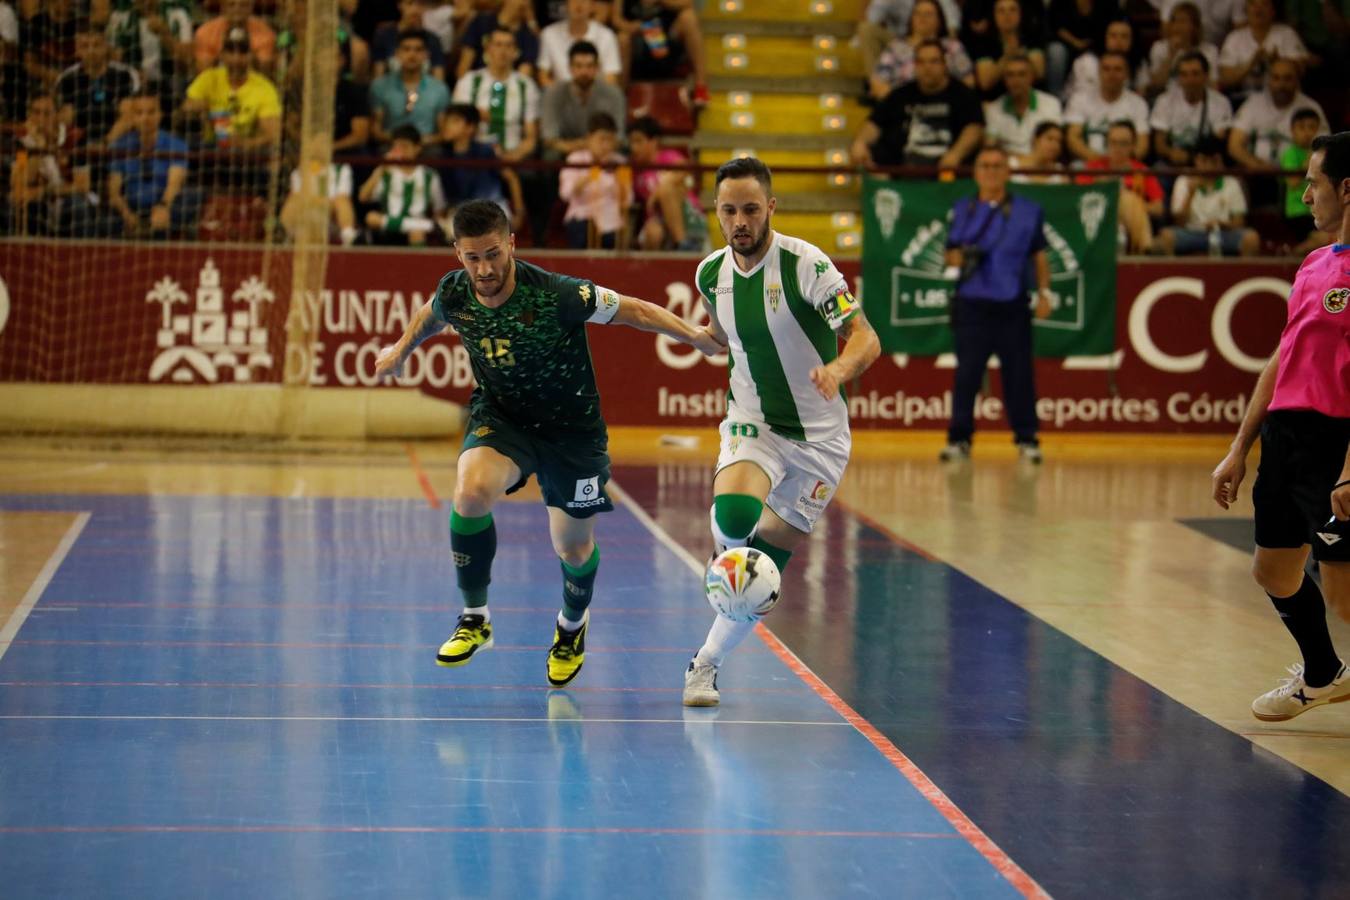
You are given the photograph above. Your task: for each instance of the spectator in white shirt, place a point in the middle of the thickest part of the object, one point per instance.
(1247, 53)
(886, 20)
(1118, 38)
(1011, 120)
(1209, 210)
(556, 40)
(1217, 17)
(1189, 112)
(1090, 115)
(1263, 125)
(1181, 35)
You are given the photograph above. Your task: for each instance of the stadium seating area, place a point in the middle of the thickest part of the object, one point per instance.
(181, 119)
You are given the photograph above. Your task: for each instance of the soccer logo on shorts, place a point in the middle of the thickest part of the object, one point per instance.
(1336, 299)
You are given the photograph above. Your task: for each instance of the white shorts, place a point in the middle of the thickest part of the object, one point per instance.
(803, 475)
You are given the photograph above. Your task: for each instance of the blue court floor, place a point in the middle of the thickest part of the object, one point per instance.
(236, 696)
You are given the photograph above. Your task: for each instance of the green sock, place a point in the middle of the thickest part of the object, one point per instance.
(579, 585)
(473, 541)
(779, 556)
(735, 517)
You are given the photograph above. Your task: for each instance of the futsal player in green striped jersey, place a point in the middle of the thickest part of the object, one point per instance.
(781, 307)
(535, 411)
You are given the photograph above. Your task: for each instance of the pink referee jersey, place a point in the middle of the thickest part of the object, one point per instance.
(1315, 346)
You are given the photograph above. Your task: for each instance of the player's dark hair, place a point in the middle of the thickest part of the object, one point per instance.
(1336, 162)
(646, 125)
(582, 48)
(407, 133)
(479, 217)
(601, 121)
(1194, 56)
(466, 111)
(745, 167)
(1303, 114)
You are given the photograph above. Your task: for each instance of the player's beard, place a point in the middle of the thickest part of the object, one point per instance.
(755, 246)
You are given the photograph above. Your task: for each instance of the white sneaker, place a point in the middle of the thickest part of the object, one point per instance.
(955, 452)
(700, 684)
(1294, 697)
(1029, 452)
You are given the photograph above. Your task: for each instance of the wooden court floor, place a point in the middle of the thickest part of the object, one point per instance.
(1112, 548)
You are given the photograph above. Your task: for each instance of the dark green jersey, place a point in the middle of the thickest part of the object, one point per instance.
(530, 355)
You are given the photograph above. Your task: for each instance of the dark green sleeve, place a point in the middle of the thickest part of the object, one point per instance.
(577, 298)
(438, 300)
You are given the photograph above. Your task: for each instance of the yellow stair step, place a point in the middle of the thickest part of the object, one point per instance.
(785, 10)
(781, 115)
(816, 228)
(782, 56)
(797, 182)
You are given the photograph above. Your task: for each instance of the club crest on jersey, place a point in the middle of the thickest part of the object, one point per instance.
(775, 294)
(1336, 299)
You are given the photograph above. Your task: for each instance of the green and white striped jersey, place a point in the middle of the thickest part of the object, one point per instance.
(780, 319)
(410, 194)
(505, 105)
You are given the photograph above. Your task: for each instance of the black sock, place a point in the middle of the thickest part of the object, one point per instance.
(1305, 615)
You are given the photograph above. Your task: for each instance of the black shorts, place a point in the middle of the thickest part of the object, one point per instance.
(1302, 454)
(572, 468)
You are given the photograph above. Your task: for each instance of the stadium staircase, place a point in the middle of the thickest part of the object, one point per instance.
(785, 84)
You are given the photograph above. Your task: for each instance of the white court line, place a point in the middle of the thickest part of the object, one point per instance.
(30, 599)
(656, 530)
(694, 718)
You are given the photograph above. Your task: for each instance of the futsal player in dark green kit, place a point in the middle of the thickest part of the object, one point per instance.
(535, 411)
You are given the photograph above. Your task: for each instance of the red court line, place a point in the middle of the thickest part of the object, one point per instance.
(427, 490)
(271, 685)
(466, 829)
(1001, 862)
(895, 538)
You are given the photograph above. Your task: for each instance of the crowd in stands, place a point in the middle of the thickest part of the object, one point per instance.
(176, 118)
(182, 118)
(1067, 87)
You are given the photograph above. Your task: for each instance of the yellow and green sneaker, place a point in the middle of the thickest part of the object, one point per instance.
(472, 633)
(566, 655)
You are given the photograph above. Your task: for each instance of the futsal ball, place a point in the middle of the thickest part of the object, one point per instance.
(742, 584)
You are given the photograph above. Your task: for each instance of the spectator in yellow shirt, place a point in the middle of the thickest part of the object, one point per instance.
(241, 106)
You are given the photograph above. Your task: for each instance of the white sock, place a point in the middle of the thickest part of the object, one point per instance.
(478, 611)
(348, 236)
(723, 637)
(567, 624)
(416, 223)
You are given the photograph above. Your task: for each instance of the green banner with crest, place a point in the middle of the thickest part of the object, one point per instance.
(907, 296)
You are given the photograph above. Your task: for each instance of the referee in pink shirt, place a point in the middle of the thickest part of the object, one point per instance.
(1301, 408)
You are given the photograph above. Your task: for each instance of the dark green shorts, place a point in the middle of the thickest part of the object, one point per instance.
(572, 469)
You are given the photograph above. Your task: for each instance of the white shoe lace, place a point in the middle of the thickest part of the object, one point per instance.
(1289, 686)
(701, 677)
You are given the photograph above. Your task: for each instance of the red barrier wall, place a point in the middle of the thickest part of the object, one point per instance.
(1190, 335)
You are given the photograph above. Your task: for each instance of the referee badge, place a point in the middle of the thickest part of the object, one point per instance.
(1336, 299)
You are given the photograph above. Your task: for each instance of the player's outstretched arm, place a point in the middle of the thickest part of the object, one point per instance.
(1228, 474)
(425, 323)
(861, 348)
(646, 316)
